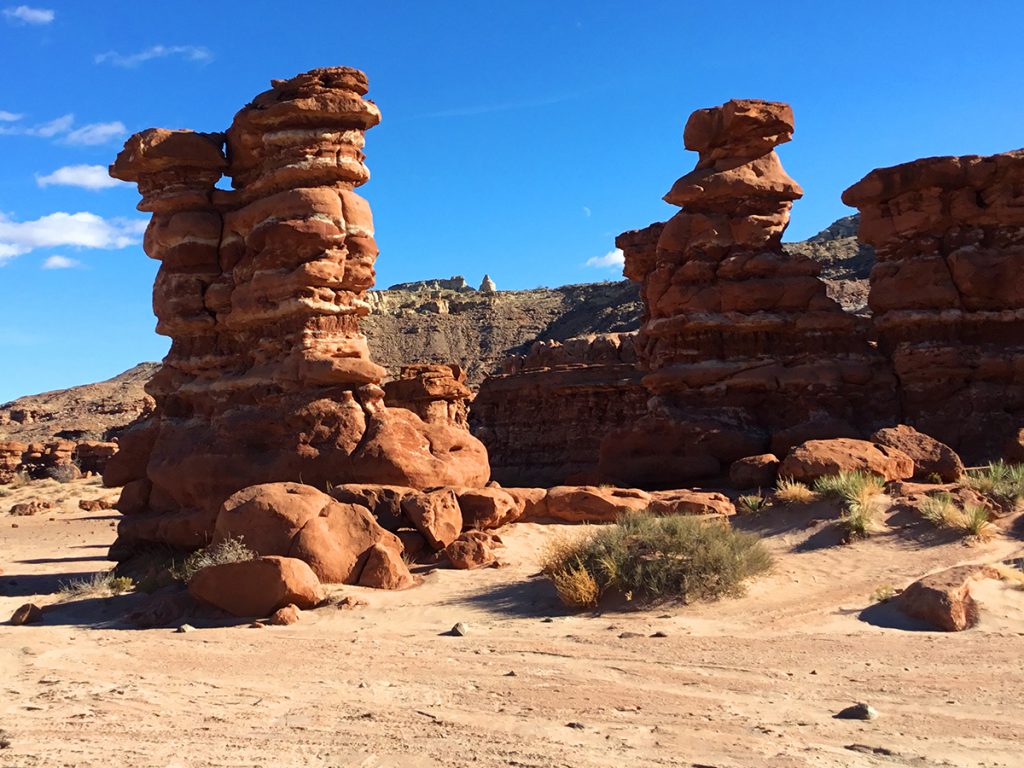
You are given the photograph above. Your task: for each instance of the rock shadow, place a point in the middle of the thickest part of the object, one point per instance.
(886, 615)
(533, 598)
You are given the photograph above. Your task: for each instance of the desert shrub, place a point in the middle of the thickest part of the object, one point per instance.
(858, 493)
(752, 503)
(941, 511)
(648, 558)
(102, 584)
(64, 472)
(791, 492)
(1001, 482)
(884, 593)
(229, 550)
(21, 479)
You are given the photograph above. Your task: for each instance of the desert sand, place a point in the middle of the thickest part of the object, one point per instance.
(751, 681)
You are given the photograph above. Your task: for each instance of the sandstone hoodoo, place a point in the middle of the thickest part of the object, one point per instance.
(261, 289)
(947, 292)
(739, 339)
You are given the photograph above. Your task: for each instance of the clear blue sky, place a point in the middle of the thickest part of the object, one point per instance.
(518, 138)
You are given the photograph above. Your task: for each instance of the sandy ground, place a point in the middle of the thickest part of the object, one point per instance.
(753, 681)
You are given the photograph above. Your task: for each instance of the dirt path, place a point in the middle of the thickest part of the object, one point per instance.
(747, 682)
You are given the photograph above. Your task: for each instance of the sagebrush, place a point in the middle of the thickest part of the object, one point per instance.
(102, 584)
(646, 558)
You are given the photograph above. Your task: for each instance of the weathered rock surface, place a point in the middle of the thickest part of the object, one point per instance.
(759, 471)
(947, 292)
(257, 587)
(930, 457)
(944, 599)
(822, 458)
(472, 550)
(294, 520)
(261, 289)
(739, 338)
(436, 393)
(578, 504)
(544, 416)
(385, 569)
(435, 514)
(485, 508)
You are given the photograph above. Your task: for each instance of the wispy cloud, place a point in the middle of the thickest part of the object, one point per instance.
(84, 176)
(587, 212)
(95, 133)
(23, 14)
(60, 262)
(612, 259)
(63, 127)
(9, 117)
(129, 60)
(80, 230)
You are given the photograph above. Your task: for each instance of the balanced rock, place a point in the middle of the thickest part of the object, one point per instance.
(822, 458)
(261, 289)
(436, 393)
(257, 587)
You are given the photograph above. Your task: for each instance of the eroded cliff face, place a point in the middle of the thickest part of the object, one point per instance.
(947, 292)
(261, 289)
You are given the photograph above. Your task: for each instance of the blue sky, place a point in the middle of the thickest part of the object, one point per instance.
(517, 140)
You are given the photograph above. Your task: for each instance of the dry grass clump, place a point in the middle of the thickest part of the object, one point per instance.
(102, 584)
(648, 558)
(229, 550)
(752, 503)
(972, 521)
(1001, 482)
(791, 492)
(858, 492)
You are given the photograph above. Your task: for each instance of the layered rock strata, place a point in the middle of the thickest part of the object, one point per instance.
(544, 415)
(739, 339)
(261, 289)
(947, 292)
(436, 393)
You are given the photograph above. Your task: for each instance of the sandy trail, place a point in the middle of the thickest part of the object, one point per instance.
(746, 682)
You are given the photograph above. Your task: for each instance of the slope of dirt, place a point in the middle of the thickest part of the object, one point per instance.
(753, 681)
(89, 412)
(846, 262)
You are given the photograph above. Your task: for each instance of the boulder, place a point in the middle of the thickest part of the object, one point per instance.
(820, 428)
(385, 569)
(33, 507)
(484, 508)
(436, 514)
(384, 501)
(944, 599)
(820, 458)
(282, 617)
(930, 457)
(29, 613)
(533, 502)
(759, 471)
(257, 587)
(134, 498)
(685, 502)
(594, 504)
(473, 549)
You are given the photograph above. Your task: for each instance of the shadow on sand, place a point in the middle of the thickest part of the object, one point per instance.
(533, 598)
(888, 616)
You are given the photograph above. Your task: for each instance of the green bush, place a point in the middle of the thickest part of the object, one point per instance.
(752, 503)
(648, 558)
(1001, 482)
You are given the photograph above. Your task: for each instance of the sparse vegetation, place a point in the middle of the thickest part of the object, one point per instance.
(650, 558)
(21, 479)
(858, 492)
(64, 472)
(102, 584)
(941, 511)
(884, 593)
(791, 492)
(752, 503)
(1001, 482)
(229, 550)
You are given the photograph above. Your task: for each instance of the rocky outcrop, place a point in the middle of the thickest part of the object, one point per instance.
(825, 458)
(932, 459)
(943, 600)
(543, 417)
(257, 587)
(11, 453)
(261, 289)
(436, 393)
(947, 292)
(739, 338)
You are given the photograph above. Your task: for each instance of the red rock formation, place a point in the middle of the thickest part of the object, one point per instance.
(739, 338)
(436, 393)
(947, 292)
(10, 459)
(543, 417)
(261, 290)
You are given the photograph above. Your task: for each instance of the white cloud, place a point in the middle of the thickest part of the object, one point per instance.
(80, 230)
(84, 176)
(95, 133)
(9, 117)
(60, 262)
(187, 52)
(611, 259)
(587, 212)
(64, 127)
(23, 14)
